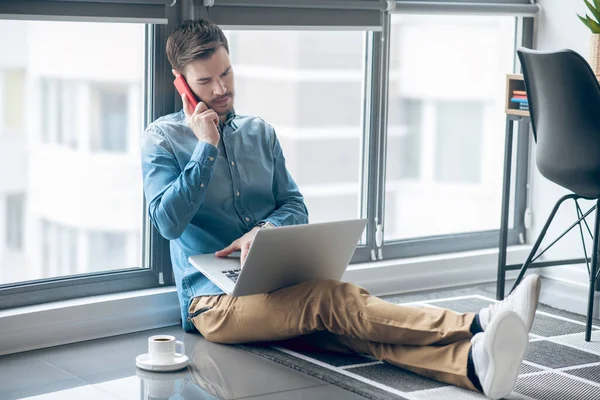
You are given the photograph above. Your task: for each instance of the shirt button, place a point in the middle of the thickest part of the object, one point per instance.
(211, 158)
(202, 185)
(247, 219)
(237, 194)
(233, 164)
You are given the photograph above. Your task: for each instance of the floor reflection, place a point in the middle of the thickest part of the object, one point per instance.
(211, 374)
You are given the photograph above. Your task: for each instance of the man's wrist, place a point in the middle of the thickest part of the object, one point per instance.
(265, 224)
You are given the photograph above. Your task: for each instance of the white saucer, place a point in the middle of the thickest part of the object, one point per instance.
(143, 361)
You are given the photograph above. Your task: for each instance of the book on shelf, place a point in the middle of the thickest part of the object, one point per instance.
(520, 92)
(518, 100)
(524, 107)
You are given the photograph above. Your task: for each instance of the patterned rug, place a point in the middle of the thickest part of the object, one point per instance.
(559, 364)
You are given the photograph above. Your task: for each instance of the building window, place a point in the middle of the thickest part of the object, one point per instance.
(59, 249)
(48, 114)
(59, 103)
(111, 121)
(459, 129)
(107, 250)
(15, 211)
(404, 138)
(45, 233)
(13, 87)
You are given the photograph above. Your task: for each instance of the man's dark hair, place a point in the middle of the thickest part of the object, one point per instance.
(194, 40)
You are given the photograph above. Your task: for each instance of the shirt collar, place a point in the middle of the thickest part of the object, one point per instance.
(229, 120)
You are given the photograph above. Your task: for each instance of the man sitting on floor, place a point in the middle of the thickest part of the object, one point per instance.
(212, 178)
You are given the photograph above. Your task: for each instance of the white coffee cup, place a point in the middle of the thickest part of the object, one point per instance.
(162, 348)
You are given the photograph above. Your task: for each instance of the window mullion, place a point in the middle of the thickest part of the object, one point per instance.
(381, 135)
(159, 83)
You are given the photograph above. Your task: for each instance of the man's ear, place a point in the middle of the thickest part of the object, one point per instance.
(175, 73)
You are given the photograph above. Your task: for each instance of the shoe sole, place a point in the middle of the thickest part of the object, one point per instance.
(536, 294)
(507, 343)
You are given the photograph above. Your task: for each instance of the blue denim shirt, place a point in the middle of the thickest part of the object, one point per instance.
(202, 197)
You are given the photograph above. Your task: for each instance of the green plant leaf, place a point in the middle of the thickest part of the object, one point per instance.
(584, 21)
(594, 26)
(597, 4)
(595, 12)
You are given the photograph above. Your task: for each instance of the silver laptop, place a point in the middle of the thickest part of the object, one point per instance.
(285, 256)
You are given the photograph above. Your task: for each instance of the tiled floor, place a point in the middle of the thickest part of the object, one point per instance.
(105, 369)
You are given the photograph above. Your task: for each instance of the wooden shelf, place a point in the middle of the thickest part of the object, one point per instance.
(514, 82)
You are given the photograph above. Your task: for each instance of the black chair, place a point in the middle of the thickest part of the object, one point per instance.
(564, 105)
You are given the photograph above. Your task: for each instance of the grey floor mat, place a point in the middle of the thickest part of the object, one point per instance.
(559, 364)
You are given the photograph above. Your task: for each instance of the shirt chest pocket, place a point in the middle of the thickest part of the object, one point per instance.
(221, 189)
(256, 180)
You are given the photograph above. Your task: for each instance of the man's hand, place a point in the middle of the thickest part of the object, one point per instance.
(202, 121)
(244, 243)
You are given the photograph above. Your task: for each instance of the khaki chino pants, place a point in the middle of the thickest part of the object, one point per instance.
(343, 317)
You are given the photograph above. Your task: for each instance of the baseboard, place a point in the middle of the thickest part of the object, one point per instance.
(568, 296)
(35, 327)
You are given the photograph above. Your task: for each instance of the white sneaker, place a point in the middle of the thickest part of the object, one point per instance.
(523, 300)
(498, 352)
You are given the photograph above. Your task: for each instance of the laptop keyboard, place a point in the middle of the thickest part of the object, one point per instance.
(232, 274)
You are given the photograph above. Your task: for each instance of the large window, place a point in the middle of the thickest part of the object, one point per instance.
(77, 160)
(309, 86)
(397, 118)
(446, 123)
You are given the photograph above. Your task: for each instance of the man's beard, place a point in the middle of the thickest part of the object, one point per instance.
(221, 111)
(224, 113)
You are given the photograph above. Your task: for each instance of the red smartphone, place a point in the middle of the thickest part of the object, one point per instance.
(182, 87)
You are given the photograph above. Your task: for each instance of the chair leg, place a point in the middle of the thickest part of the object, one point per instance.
(594, 268)
(538, 242)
